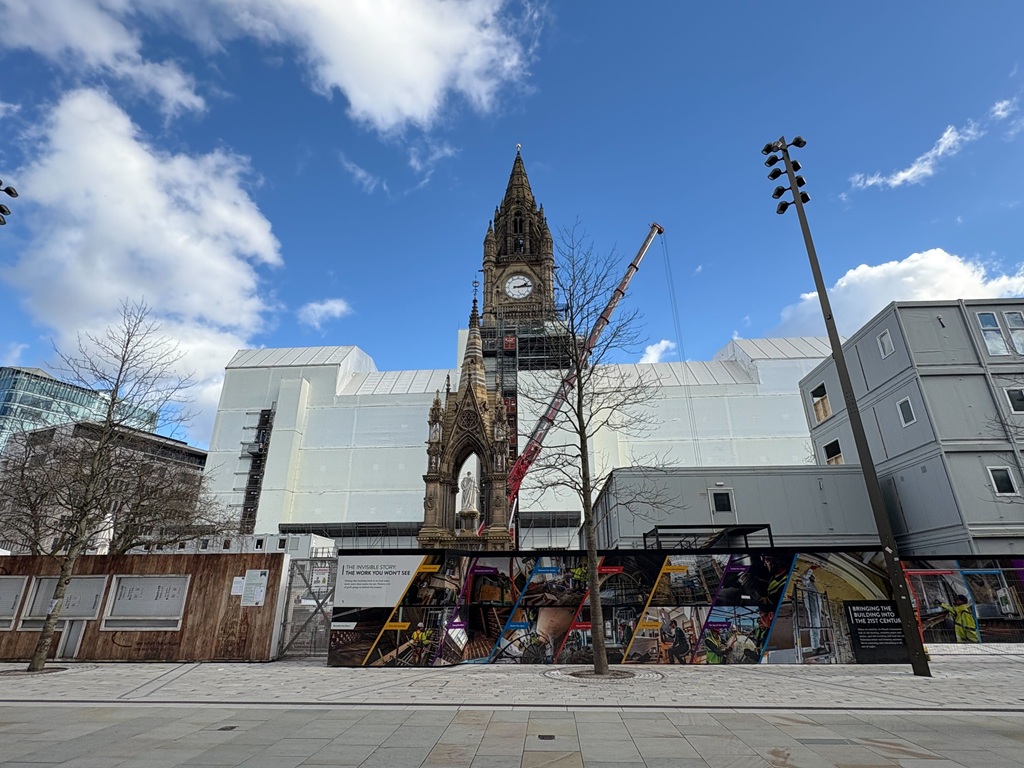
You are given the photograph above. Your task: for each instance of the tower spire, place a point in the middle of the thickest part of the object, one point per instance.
(518, 190)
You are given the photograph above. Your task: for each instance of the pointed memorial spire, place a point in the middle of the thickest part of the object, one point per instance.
(473, 361)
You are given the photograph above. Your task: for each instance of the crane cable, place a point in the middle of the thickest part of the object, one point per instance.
(698, 461)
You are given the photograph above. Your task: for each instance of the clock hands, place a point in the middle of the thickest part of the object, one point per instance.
(518, 286)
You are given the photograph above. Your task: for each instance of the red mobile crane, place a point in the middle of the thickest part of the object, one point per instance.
(529, 455)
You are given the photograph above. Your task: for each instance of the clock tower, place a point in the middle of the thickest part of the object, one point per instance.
(518, 258)
(518, 329)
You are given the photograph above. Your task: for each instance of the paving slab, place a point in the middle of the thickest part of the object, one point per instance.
(969, 714)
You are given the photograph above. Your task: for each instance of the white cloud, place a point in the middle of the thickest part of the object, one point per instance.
(116, 219)
(699, 269)
(7, 109)
(396, 61)
(315, 313)
(1015, 127)
(951, 141)
(424, 160)
(1003, 109)
(654, 353)
(931, 275)
(368, 181)
(175, 89)
(94, 37)
(12, 353)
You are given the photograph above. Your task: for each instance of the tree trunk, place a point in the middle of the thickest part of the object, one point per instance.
(593, 576)
(42, 649)
(596, 609)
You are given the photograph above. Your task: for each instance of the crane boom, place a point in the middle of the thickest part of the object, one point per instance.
(533, 446)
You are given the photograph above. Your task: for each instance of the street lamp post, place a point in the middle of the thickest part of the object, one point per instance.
(918, 658)
(4, 210)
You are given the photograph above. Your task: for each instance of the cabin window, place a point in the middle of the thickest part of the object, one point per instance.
(819, 401)
(833, 453)
(992, 335)
(906, 410)
(885, 343)
(1002, 481)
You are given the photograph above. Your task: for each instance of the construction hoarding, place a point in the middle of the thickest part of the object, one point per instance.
(153, 607)
(757, 606)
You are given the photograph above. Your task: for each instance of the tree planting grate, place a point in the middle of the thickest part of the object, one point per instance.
(586, 675)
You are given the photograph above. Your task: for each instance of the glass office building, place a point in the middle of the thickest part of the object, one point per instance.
(31, 398)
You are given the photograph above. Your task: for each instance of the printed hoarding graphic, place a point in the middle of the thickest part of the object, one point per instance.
(968, 600)
(373, 581)
(875, 632)
(758, 606)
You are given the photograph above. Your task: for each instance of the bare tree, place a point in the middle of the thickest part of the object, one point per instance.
(604, 397)
(66, 489)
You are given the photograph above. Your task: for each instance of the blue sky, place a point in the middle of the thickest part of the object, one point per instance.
(317, 172)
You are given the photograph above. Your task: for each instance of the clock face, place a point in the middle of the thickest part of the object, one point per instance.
(518, 287)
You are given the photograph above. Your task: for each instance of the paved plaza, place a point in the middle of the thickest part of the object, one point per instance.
(292, 713)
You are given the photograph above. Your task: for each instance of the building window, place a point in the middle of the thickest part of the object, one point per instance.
(226, 544)
(885, 343)
(204, 543)
(282, 543)
(1016, 398)
(819, 400)
(721, 500)
(259, 545)
(1015, 323)
(833, 453)
(1002, 481)
(906, 412)
(993, 336)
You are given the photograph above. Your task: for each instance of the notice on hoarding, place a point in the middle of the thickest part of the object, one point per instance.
(876, 633)
(254, 590)
(320, 579)
(237, 585)
(374, 581)
(81, 601)
(159, 596)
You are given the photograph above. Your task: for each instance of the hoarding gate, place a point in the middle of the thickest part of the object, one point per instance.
(307, 616)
